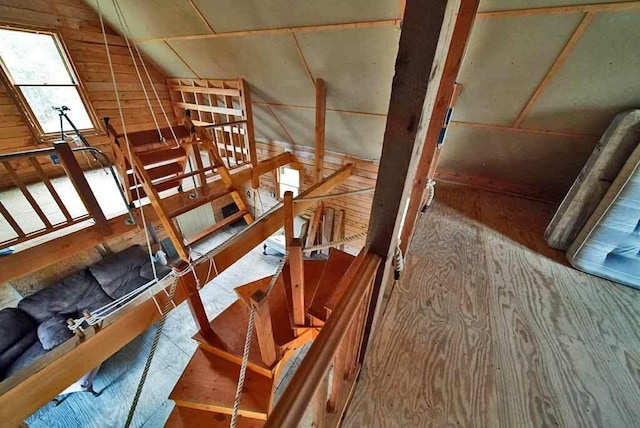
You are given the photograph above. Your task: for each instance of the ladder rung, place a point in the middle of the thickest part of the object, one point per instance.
(162, 155)
(196, 203)
(158, 172)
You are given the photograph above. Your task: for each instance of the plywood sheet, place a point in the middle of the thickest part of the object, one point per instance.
(599, 79)
(496, 5)
(269, 63)
(160, 18)
(356, 64)
(165, 59)
(548, 162)
(351, 134)
(506, 60)
(232, 15)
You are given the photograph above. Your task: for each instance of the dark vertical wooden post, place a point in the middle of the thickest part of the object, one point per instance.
(426, 30)
(430, 151)
(288, 218)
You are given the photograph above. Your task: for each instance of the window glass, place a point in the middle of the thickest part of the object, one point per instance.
(43, 99)
(289, 180)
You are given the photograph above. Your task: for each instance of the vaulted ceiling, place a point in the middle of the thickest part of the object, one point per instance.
(538, 87)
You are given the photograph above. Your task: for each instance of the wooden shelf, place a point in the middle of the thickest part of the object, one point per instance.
(186, 417)
(209, 383)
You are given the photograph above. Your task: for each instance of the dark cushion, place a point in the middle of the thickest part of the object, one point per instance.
(147, 272)
(14, 325)
(72, 295)
(34, 352)
(54, 332)
(117, 265)
(10, 355)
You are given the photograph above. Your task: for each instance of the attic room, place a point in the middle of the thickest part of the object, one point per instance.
(277, 213)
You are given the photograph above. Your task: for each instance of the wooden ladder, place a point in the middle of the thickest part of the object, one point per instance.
(160, 160)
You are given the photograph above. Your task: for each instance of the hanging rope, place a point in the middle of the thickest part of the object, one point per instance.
(247, 343)
(335, 195)
(428, 198)
(335, 243)
(152, 351)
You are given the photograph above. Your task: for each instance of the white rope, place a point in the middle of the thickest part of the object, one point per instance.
(126, 138)
(428, 198)
(247, 343)
(335, 243)
(335, 195)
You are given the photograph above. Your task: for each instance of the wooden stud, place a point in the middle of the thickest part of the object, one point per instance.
(320, 403)
(577, 35)
(338, 228)
(12, 222)
(250, 138)
(327, 227)
(27, 194)
(79, 181)
(339, 371)
(459, 39)
(269, 352)
(296, 268)
(54, 194)
(315, 225)
(321, 106)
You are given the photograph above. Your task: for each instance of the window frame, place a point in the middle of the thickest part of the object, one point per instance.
(279, 182)
(17, 96)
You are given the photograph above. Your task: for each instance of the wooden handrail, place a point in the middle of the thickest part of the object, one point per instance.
(294, 402)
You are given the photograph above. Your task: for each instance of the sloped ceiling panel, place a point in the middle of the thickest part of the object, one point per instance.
(600, 79)
(234, 15)
(166, 59)
(494, 5)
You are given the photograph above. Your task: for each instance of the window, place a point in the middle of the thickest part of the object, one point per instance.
(289, 179)
(41, 77)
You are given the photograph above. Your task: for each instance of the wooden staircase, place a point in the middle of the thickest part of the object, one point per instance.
(204, 394)
(157, 161)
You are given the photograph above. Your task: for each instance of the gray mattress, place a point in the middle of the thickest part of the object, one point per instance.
(609, 244)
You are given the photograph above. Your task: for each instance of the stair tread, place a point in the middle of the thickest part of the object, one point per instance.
(278, 307)
(230, 329)
(335, 268)
(186, 417)
(215, 227)
(163, 154)
(312, 273)
(209, 382)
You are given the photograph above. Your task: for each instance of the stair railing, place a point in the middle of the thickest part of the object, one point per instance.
(63, 154)
(338, 346)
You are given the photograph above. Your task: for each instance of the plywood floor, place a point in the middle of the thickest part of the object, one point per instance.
(491, 328)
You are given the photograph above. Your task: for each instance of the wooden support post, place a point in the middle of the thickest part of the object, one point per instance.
(426, 166)
(79, 181)
(427, 28)
(320, 403)
(321, 110)
(250, 139)
(338, 228)
(296, 267)
(327, 228)
(339, 371)
(196, 307)
(288, 218)
(264, 330)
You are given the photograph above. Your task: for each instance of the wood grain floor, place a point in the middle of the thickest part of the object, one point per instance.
(489, 327)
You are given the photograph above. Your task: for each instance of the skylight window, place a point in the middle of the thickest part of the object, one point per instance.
(36, 66)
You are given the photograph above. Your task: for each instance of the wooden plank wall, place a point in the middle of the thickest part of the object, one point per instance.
(79, 28)
(357, 208)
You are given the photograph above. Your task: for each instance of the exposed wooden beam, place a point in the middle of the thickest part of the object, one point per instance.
(361, 113)
(321, 106)
(426, 33)
(283, 30)
(302, 59)
(461, 32)
(554, 10)
(522, 130)
(577, 35)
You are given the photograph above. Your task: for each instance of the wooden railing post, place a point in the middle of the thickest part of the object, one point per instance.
(296, 267)
(79, 181)
(264, 330)
(196, 307)
(288, 218)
